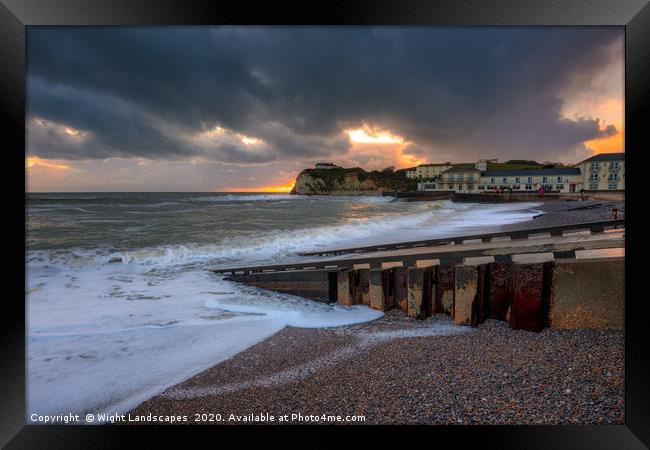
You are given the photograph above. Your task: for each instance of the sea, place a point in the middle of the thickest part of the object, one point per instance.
(121, 304)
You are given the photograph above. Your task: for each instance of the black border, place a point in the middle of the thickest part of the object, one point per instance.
(633, 14)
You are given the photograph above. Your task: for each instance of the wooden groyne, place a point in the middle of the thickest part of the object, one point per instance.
(530, 282)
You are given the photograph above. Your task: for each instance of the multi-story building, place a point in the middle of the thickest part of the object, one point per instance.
(565, 179)
(603, 172)
(428, 171)
(471, 179)
(460, 179)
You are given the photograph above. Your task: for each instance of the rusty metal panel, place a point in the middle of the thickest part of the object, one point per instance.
(388, 285)
(415, 282)
(362, 287)
(376, 290)
(481, 311)
(428, 292)
(499, 290)
(528, 311)
(401, 288)
(360, 282)
(444, 291)
(465, 289)
(343, 285)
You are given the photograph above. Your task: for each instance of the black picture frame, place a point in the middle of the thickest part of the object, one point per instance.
(634, 15)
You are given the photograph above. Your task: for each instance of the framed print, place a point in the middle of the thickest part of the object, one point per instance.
(408, 217)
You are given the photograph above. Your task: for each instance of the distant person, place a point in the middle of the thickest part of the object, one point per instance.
(582, 194)
(541, 190)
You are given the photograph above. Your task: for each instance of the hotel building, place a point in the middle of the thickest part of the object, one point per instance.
(428, 171)
(604, 172)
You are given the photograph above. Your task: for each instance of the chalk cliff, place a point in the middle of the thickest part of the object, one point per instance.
(355, 181)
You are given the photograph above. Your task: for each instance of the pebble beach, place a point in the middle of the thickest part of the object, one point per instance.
(397, 371)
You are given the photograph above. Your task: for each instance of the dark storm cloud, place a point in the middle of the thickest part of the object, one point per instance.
(152, 92)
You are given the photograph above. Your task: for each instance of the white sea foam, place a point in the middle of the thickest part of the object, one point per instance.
(147, 205)
(442, 219)
(141, 332)
(102, 336)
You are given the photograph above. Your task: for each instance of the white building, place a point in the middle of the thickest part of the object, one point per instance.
(471, 179)
(326, 166)
(428, 171)
(603, 172)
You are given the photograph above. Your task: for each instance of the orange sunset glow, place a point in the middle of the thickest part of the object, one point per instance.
(368, 135)
(541, 94)
(35, 161)
(380, 148)
(283, 188)
(611, 144)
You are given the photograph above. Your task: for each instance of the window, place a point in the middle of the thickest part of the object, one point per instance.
(559, 179)
(529, 187)
(530, 179)
(470, 187)
(613, 177)
(559, 187)
(450, 177)
(593, 177)
(593, 186)
(612, 186)
(614, 165)
(481, 187)
(518, 180)
(544, 179)
(505, 180)
(595, 167)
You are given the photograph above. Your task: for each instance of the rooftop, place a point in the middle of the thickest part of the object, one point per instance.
(461, 169)
(605, 157)
(528, 172)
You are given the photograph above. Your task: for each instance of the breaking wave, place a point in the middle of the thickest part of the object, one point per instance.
(442, 218)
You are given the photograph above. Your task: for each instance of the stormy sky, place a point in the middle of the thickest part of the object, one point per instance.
(246, 108)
